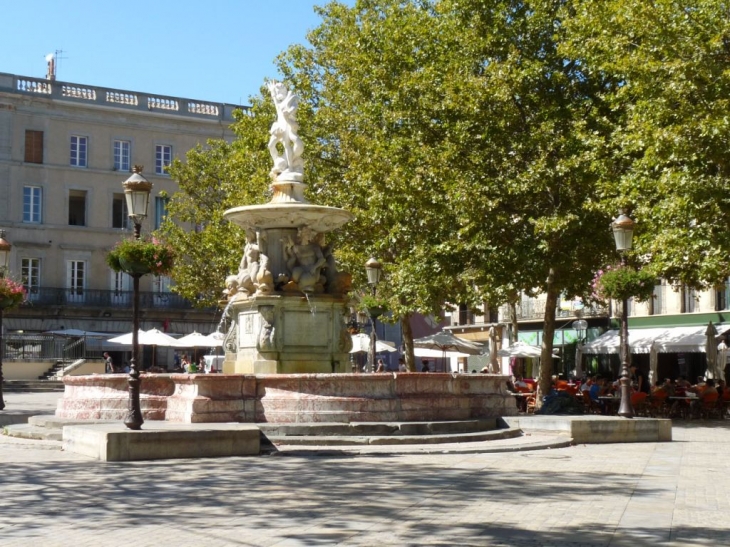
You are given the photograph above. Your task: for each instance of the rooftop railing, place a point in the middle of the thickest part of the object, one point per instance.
(117, 98)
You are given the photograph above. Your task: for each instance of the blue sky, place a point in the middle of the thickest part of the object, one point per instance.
(219, 50)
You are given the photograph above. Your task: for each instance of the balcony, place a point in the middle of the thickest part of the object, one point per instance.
(42, 297)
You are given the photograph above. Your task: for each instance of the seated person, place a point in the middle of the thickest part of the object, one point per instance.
(586, 386)
(521, 384)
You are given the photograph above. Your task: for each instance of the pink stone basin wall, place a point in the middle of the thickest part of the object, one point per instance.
(291, 398)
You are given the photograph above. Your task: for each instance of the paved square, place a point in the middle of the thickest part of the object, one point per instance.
(623, 494)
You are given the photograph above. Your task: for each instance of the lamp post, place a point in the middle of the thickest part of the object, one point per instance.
(374, 270)
(137, 193)
(623, 233)
(4, 262)
(580, 326)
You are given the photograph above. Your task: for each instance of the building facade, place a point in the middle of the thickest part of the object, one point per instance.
(65, 150)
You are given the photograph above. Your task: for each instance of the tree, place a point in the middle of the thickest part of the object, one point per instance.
(214, 178)
(668, 67)
(376, 144)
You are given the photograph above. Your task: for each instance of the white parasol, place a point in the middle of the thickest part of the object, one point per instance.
(361, 344)
(445, 341)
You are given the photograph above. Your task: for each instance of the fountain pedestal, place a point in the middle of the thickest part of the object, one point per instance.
(288, 334)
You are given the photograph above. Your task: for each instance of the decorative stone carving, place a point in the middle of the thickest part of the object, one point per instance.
(266, 342)
(305, 262)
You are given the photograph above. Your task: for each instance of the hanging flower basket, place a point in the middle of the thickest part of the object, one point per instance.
(623, 282)
(374, 306)
(141, 256)
(12, 294)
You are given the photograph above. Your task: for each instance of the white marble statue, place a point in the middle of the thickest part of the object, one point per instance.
(289, 166)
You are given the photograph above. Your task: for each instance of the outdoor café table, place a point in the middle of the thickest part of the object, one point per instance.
(521, 398)
(681, 405)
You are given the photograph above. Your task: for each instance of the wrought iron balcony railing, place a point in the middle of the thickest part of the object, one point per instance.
(53, 296)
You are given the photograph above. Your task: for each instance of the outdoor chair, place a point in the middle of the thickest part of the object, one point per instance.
(638, 402)
(657, 405)
(591, 406)
(707, 406)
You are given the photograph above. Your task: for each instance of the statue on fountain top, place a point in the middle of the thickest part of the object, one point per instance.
(289, 166)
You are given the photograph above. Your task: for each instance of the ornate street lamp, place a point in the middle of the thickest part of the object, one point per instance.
(4, 264)
(374, 270)
(137, 192)
(623, 233)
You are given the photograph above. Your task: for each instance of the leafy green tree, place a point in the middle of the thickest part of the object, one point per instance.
(214, 178)
(667, 66)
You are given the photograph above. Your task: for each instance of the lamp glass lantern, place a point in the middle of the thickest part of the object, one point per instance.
(137, 193)
(374, 270)
(623, 232)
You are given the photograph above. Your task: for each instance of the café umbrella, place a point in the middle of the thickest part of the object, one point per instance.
(445, 341)
(152, 337)
(361, 344)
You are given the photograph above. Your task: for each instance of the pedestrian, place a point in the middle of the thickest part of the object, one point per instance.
(381, 366)
(425, 367)
(402, 365)
(108, 364)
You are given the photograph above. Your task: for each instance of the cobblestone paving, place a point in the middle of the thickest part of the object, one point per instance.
(587, 495)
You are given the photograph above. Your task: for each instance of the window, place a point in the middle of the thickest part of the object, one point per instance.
(722, 296)
(160, 210)
(121, 291)
(30, 273)
(121, 155)
(689, 299)
(658, 305)
(162, 291)
(78, 151)
(32, 204)
(33, 146)
(77, 208)
(120, 214)
(163, 158)
(75, 280)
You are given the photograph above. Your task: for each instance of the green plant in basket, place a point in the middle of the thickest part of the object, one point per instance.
(620, 282)
(12, 293)
(141, 256)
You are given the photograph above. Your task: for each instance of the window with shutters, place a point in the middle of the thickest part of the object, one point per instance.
(33, 146)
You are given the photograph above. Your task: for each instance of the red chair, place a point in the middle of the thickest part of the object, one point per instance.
(707, 406)
(638, 402)
(657, 405)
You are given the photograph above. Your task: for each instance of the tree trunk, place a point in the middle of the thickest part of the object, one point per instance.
(407, 332)
(548, 333)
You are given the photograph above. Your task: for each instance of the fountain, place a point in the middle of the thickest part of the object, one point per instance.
(287, 301)
(287, 346)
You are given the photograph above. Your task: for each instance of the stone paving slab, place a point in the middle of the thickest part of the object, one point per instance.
(638, 494)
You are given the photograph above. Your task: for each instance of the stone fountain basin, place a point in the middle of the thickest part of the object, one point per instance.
(319, 218)
(291, 398)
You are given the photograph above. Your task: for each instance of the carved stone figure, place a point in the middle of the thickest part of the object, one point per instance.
(266, 334)
(264, 278)
(249, 266)
(284, 130)
(305, 262)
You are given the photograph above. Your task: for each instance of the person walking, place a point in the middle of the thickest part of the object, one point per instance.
(108, 363)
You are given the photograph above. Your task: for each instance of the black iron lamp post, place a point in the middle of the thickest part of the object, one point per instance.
(4, 262)
(580, 326)
(137, 193)
(623, 233)
(374, 269)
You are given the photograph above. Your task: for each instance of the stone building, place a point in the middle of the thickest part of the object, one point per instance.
(65, 150)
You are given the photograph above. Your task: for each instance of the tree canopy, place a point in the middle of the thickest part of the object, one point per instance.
(484, 145)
